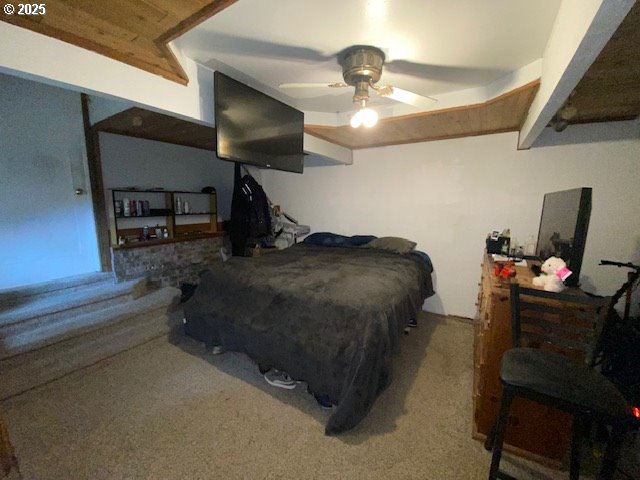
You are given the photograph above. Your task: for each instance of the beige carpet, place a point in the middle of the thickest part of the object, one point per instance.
(164, 411)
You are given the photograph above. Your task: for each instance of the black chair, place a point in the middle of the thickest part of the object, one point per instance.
(551, 362)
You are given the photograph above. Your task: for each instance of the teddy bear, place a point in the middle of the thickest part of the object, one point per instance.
(554, 273)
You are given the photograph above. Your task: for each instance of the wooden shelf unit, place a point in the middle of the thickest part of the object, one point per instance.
(200, 222)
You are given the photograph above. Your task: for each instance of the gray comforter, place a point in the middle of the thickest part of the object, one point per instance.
(329, 316)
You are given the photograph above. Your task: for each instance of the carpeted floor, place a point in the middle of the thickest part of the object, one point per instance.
(165, 411)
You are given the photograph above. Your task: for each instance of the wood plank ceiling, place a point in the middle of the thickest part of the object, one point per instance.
(610, 90)
(136, 32)
(505, 113)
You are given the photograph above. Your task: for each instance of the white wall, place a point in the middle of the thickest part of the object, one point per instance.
(128, 161)
(447, 195)
(46, 231)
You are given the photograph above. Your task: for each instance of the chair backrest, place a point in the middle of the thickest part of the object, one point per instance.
(566, 323)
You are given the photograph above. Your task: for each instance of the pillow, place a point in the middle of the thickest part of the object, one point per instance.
(393, 244)
(359, 240)
(329, 239)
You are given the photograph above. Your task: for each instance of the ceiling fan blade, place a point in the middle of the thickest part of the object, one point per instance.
(219, 42)
(405, 96)
(313, 85)
(442, 73)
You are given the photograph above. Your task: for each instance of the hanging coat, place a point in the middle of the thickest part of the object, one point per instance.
(250, 214)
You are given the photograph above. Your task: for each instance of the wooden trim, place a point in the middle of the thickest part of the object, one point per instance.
(172, 60)
(439, 137)
(164, 241)
(321, 137)
(418, 140)
(126, 133)
(197, 18)
(97, 187)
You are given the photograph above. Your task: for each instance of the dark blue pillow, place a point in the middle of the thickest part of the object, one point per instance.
(329, 239)
(358, 240)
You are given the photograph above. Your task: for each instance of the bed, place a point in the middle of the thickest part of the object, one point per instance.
(330, 316)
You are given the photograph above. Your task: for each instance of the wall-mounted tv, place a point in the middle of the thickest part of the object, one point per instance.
(563, 228)
(256, 129)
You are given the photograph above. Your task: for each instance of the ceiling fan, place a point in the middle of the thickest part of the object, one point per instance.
(362, 69)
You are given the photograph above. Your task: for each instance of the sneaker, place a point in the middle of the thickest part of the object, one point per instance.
(280, 379)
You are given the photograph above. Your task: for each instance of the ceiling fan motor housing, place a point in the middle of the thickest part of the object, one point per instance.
(362, 64)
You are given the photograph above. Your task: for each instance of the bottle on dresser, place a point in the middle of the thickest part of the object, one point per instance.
(530, 246)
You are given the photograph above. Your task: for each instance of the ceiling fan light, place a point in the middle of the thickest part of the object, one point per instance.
(356, 120)
(369, 117)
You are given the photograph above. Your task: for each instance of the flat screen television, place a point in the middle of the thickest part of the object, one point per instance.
(563, 228)
(254, 128)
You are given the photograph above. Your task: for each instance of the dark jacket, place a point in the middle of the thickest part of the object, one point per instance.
(250, 215)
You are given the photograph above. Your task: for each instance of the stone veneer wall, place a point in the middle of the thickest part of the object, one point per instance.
(168, 264)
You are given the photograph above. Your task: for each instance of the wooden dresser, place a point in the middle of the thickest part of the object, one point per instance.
(534, 431)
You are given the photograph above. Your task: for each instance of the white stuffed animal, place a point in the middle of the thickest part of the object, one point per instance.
(554, 273)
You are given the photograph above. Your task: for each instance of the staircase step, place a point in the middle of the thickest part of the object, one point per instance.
(44, 334)
(64, 304)
(16, 295)
(147, 317)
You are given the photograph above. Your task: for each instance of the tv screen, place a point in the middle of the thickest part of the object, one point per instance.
(256, 129)
(563, 228)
